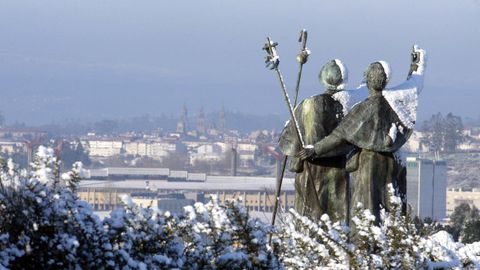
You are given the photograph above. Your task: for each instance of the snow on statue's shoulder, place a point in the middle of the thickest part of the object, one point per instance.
(350, 98)
(404, 102)
(402, 98)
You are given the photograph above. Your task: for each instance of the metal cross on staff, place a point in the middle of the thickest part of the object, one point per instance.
(273, 61)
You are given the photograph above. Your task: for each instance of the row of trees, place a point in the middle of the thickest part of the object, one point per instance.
(43, 225)
(444, 133)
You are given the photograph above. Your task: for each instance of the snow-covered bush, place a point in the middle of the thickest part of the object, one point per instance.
(44, 225)
(143, 238)
(224, 237)
(305, 244)
(393, 244)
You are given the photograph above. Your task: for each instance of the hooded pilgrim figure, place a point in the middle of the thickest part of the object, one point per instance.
(321, 183)
(375, 130)
(376, 123)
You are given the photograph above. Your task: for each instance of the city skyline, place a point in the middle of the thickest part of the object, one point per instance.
(91, 60)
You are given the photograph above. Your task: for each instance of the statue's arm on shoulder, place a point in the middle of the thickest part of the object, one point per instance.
(329, 146)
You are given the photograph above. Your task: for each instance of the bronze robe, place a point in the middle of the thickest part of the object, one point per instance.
(321, 184)
(369, 128)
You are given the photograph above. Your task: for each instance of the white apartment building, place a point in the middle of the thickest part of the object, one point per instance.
(104, 148)
(207, 152)
(246, 158)
(8, 147)
(150, 149)
(247, 147)
(136, 148)
(211, 148)
(192, 145)
(160, 149)
(246, 154)
(427, 188)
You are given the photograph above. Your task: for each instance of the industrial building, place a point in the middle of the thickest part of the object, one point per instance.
(426, 187)
(122, 173)
(256, 193)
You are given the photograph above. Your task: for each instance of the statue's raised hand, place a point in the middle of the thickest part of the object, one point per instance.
(417, 59)
(415, 55)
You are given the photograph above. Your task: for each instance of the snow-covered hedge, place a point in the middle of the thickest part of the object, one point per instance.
(394, 244)
(43, 225)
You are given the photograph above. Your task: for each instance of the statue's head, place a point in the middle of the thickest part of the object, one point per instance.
(377, 75)
(334, 75)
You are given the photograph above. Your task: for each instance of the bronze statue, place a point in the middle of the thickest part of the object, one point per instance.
(372, 131)
(377, 127)
(317, 116)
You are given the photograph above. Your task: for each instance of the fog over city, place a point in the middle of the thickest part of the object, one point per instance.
(91, 60)
(154, 134)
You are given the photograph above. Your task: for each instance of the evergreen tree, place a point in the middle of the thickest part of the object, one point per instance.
(471, 231)
(462, 214)
(74, 152)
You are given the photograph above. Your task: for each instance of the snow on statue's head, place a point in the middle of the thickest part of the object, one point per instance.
(377, 75)
(334, 75)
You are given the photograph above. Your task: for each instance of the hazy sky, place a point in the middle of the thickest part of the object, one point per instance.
(111, 58)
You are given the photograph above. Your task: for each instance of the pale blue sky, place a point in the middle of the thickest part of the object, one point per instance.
(110, 58)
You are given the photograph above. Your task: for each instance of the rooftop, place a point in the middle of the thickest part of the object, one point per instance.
(213, 183)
